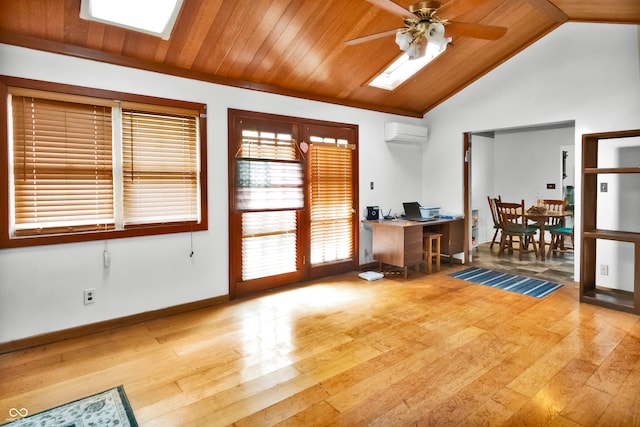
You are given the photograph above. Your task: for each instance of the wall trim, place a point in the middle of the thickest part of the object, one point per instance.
(65, 334)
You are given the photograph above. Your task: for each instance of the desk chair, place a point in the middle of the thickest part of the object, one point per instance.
(514, 225)
(496, 219)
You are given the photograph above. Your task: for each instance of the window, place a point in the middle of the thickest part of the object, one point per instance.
(62, 172)
(155, 17)
(160, 168)
(88, 167)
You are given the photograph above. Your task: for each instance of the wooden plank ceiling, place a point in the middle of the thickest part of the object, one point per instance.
(296, 47)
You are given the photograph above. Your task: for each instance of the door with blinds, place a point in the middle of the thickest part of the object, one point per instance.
(332, 194)
(292, 197)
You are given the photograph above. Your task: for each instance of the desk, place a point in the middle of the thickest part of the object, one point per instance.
(541, 218)
(399, 242)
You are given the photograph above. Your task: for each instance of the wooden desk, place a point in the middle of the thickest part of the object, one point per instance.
(400, 242)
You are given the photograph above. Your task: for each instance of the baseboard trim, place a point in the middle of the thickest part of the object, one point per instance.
(106, 325)
(369, 266)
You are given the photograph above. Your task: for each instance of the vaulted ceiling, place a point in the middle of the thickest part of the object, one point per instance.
(296, 47)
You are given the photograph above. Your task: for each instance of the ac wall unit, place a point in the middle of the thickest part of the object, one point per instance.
(405, 133)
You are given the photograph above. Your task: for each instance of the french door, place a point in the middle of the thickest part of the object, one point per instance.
(292, 200)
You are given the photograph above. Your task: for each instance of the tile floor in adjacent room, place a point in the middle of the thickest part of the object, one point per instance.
(558, 268)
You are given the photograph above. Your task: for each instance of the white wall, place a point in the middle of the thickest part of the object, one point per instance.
(583, 72)
(526, 161)
(41, 288)
(622, 191)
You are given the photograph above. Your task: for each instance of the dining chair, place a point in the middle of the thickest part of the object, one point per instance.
(496, 219)
(514, 226)
(557, 244)
(559, 232)
(556, 205)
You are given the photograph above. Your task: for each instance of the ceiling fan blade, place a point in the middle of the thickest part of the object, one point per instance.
(370, 37)
(392, 7)
(455, 8)
(478, 31)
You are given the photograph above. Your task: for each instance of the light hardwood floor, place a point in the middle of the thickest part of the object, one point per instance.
(429, 350)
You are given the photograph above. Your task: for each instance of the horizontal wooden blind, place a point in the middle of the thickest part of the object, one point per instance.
(62, 166)
(268, 243)
(331, 201)
(267, 145)
(264, 185)
(268, 190)
(160, 167)
(269, 175)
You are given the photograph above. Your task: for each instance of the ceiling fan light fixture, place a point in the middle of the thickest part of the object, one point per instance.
(418, 50)
(405, 66)
(436, 36)
(403, 39)
(411, 42)
(417, 43)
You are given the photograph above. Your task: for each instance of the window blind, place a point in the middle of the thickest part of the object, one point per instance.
(269, 189)
(159, 167)
(63, 180)
(331, 200)
(268, 243)
(269, 175)
(264, 185)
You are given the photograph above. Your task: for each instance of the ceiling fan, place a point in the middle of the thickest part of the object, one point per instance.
(424, 24)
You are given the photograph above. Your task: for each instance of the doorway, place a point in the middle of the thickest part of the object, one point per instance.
(524, 163)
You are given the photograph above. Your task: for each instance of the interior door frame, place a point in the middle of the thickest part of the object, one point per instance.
(466, 168)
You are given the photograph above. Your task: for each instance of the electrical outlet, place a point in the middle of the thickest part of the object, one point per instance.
(604, 270)
(89, 296)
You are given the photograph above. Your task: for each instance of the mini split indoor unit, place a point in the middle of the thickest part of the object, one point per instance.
(405, 133)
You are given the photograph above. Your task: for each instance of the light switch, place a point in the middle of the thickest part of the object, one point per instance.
(371, 185)
(604, 187)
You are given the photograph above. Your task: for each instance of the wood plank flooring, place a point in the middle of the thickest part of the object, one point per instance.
(429, 350)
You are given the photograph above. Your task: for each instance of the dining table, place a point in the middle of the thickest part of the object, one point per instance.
(541, 217)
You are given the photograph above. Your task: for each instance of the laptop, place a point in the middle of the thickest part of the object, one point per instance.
(412, 212)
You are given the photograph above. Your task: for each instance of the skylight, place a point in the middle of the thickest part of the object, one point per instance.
(403, 68)
(155, 17)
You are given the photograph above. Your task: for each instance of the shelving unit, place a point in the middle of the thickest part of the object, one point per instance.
(589, 291)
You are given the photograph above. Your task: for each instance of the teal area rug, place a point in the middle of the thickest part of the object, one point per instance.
(109, 409)
(509, 282)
